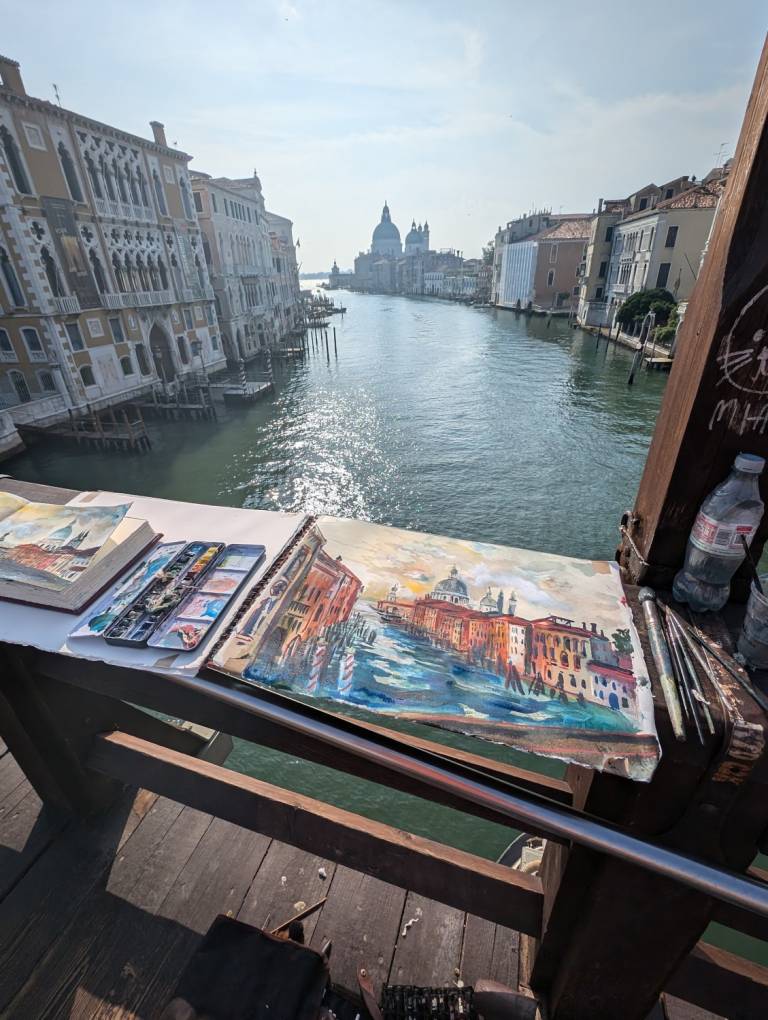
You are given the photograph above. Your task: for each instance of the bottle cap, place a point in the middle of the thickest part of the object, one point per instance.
(749, 462)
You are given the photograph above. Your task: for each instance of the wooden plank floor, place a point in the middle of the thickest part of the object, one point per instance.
(98, 918)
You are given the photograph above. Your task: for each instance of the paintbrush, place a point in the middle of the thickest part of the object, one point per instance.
(752, 567)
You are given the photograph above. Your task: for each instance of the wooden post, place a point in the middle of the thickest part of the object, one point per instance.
(716, 402)
(614, 935)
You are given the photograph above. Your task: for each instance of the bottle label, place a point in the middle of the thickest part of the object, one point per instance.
(714, 536)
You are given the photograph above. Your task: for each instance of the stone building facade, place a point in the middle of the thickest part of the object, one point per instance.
(104, 289)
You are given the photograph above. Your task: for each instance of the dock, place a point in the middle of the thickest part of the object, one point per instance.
(120, 428)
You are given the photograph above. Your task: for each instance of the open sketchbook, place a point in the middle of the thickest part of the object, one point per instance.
(527, 649)
(62, 557)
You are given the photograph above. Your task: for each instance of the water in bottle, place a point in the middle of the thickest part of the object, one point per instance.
(731, 511)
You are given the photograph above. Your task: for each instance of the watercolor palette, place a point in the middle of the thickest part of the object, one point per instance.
(190, 622)
(139, 620)
(107, 610)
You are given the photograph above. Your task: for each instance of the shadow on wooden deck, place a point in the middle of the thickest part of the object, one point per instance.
(99, 917)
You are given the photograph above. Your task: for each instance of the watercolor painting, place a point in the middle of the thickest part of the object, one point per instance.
(522, 648)
(221, 582)
(50, 546)
(181, 634)
(100, 616)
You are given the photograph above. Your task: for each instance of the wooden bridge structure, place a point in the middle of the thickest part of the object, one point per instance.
(119, 844)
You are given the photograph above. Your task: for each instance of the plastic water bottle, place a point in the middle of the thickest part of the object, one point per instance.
(715, 551)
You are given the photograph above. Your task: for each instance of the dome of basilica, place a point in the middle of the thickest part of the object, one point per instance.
(453, 584)
(386, 230)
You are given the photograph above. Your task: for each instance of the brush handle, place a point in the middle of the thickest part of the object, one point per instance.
(661, 657)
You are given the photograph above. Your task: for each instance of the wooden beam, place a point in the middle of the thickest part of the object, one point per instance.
(717, 395)
(439, 872)
(721, 982)
(162, 693)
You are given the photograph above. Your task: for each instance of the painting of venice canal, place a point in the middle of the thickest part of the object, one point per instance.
(522, 648)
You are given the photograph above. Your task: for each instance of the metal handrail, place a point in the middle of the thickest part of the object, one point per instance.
(521, 807)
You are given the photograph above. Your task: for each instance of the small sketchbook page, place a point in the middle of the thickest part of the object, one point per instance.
(10, 503)
(527, 649)
(44, 546)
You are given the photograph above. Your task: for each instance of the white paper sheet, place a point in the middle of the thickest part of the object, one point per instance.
(49, 630)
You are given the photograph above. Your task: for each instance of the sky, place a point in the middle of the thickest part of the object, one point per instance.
(466, 115)
(543, 583)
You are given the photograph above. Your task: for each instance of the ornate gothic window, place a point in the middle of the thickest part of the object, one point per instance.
(154, 276)
(141, 357)
(11, 280)
(142, 273)
(185, 200)
(200, 271)
(119, 274)
(183, 350)
(120, 182)
(106, 173)
(13, 159)
(98, 271)
(159, 193)
(142, 186)
(132, 185)
(93, 175)
(70, 173)
(52, 272)
(163, 274)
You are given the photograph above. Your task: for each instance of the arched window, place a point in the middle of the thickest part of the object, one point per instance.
(130, 275)
(142, 273)
(163, 274)
(141, 357)
(13, 159)
(142, 186)
(46, 382)
(207, 251)
(118, 174)
(70, 173)
(119, 274)
(109, 183)
(131, 185)
(86, 374)
(20, 386)
(11, 280)
(159, 193)
(98, 271)
(127, 365)
(52, 272)
(154, 278)
(93, 175)
(183, 350)
(7, 350)
(185, 200)
(200, 271)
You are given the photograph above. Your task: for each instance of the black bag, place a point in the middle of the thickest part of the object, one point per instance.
(242, 973)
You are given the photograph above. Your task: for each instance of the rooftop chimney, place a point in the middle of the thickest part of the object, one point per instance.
(10, 75)
(158, 132)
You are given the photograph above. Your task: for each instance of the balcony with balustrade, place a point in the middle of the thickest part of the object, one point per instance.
(67, 304)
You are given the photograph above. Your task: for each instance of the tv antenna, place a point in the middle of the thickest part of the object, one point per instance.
(56, 92)
(720, 153)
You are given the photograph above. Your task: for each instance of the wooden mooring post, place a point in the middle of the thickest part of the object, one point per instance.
(716, 401)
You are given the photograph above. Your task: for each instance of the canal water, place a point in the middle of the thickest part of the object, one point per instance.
(474, 423)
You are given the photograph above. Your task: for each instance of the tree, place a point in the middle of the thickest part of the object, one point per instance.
(488, 250)
(638, 305)
(622, 642)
